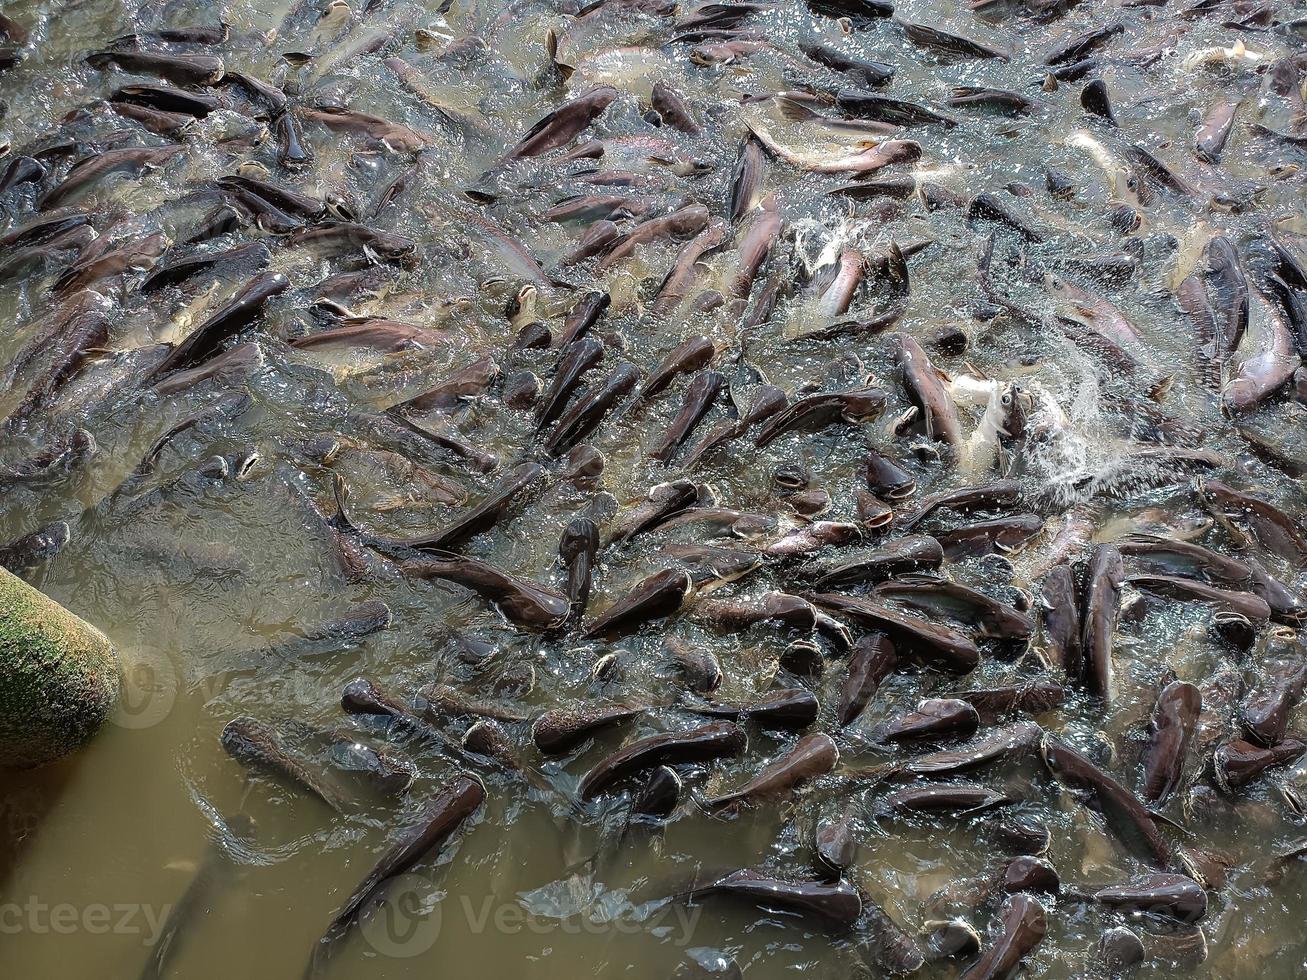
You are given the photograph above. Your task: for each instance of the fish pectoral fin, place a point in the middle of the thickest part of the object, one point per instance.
(1163, 819)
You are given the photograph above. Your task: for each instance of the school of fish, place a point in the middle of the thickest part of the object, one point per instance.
(887, 418)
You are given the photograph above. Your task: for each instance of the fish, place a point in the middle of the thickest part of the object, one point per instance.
(1024, 925)
(1170, 735)
(661, 502)
(818, 411)
(1246, 604)
(523, 603)
(448, 810)
(1100, 608)
(561, 126)
(959, 602)
(1274, 530)
(588, 410)
(702, 392)
(839, 159)
(1174, 896)
(217, 867)
(914, 638)
(933, 798)
(242, 309)
(837, 905)
(38, 546)
(933, 719)
(654, 597)
(872, 659)
(702, 744)
(1003, 534)
(577, 549)
(943, 42)
(1237, 763)
(1127, 818)
(996, 745)
(256, 744)
(924, 383)
(560, 730)
(811, 756)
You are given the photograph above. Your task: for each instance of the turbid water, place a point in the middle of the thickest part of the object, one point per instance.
(209, 560)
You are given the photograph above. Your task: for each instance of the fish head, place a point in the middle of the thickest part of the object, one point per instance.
(1015, 405)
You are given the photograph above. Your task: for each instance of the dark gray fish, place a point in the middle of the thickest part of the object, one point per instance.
(688, 356)
(234, 315)
(958, 602)
(1060, 600)
(440, 819)
(674, 110)
(1238, 763)
(1214, 130)
(1075, 48)
(1035, 697)
(932, 719)
(934, 39)
(523, 603)
(561, 126)
(702, 392)
(560, 730)
(815, 412)
(1001, 495)
(662, 502)
(960, 799)
(184, 69)
(85, 174)
(1024, 924)
(925, 386)
(1099, 612)
(1275, 530)
(1170, 733)
(1003, 534)
(31, 549)
(1252, 607)
(1175, 557)
(811, 756)
(793, 709)
(1267, 710)
(702, 744)
(838, 905)
(1094, 98)
(679, 225)
(218, 865)
(1174, 896)
(767, 401)
(583, 315)
(254, 744)
(589, 409)
(655, 597)
(1008, 743)
(835, 840)
(1128, 819)
(576, 359)
(577, 549)
(914, 639)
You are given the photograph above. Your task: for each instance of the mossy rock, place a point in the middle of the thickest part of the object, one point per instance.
(58, 677)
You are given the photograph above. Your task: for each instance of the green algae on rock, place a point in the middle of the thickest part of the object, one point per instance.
(58, 677)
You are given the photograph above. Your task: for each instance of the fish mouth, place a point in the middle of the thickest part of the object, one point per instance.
(1047, 745)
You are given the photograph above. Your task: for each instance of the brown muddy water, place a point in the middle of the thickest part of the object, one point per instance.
(208, 577)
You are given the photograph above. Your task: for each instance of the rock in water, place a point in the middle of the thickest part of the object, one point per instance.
(58, 677)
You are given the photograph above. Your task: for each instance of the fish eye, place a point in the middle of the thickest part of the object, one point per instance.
(1007, 398)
